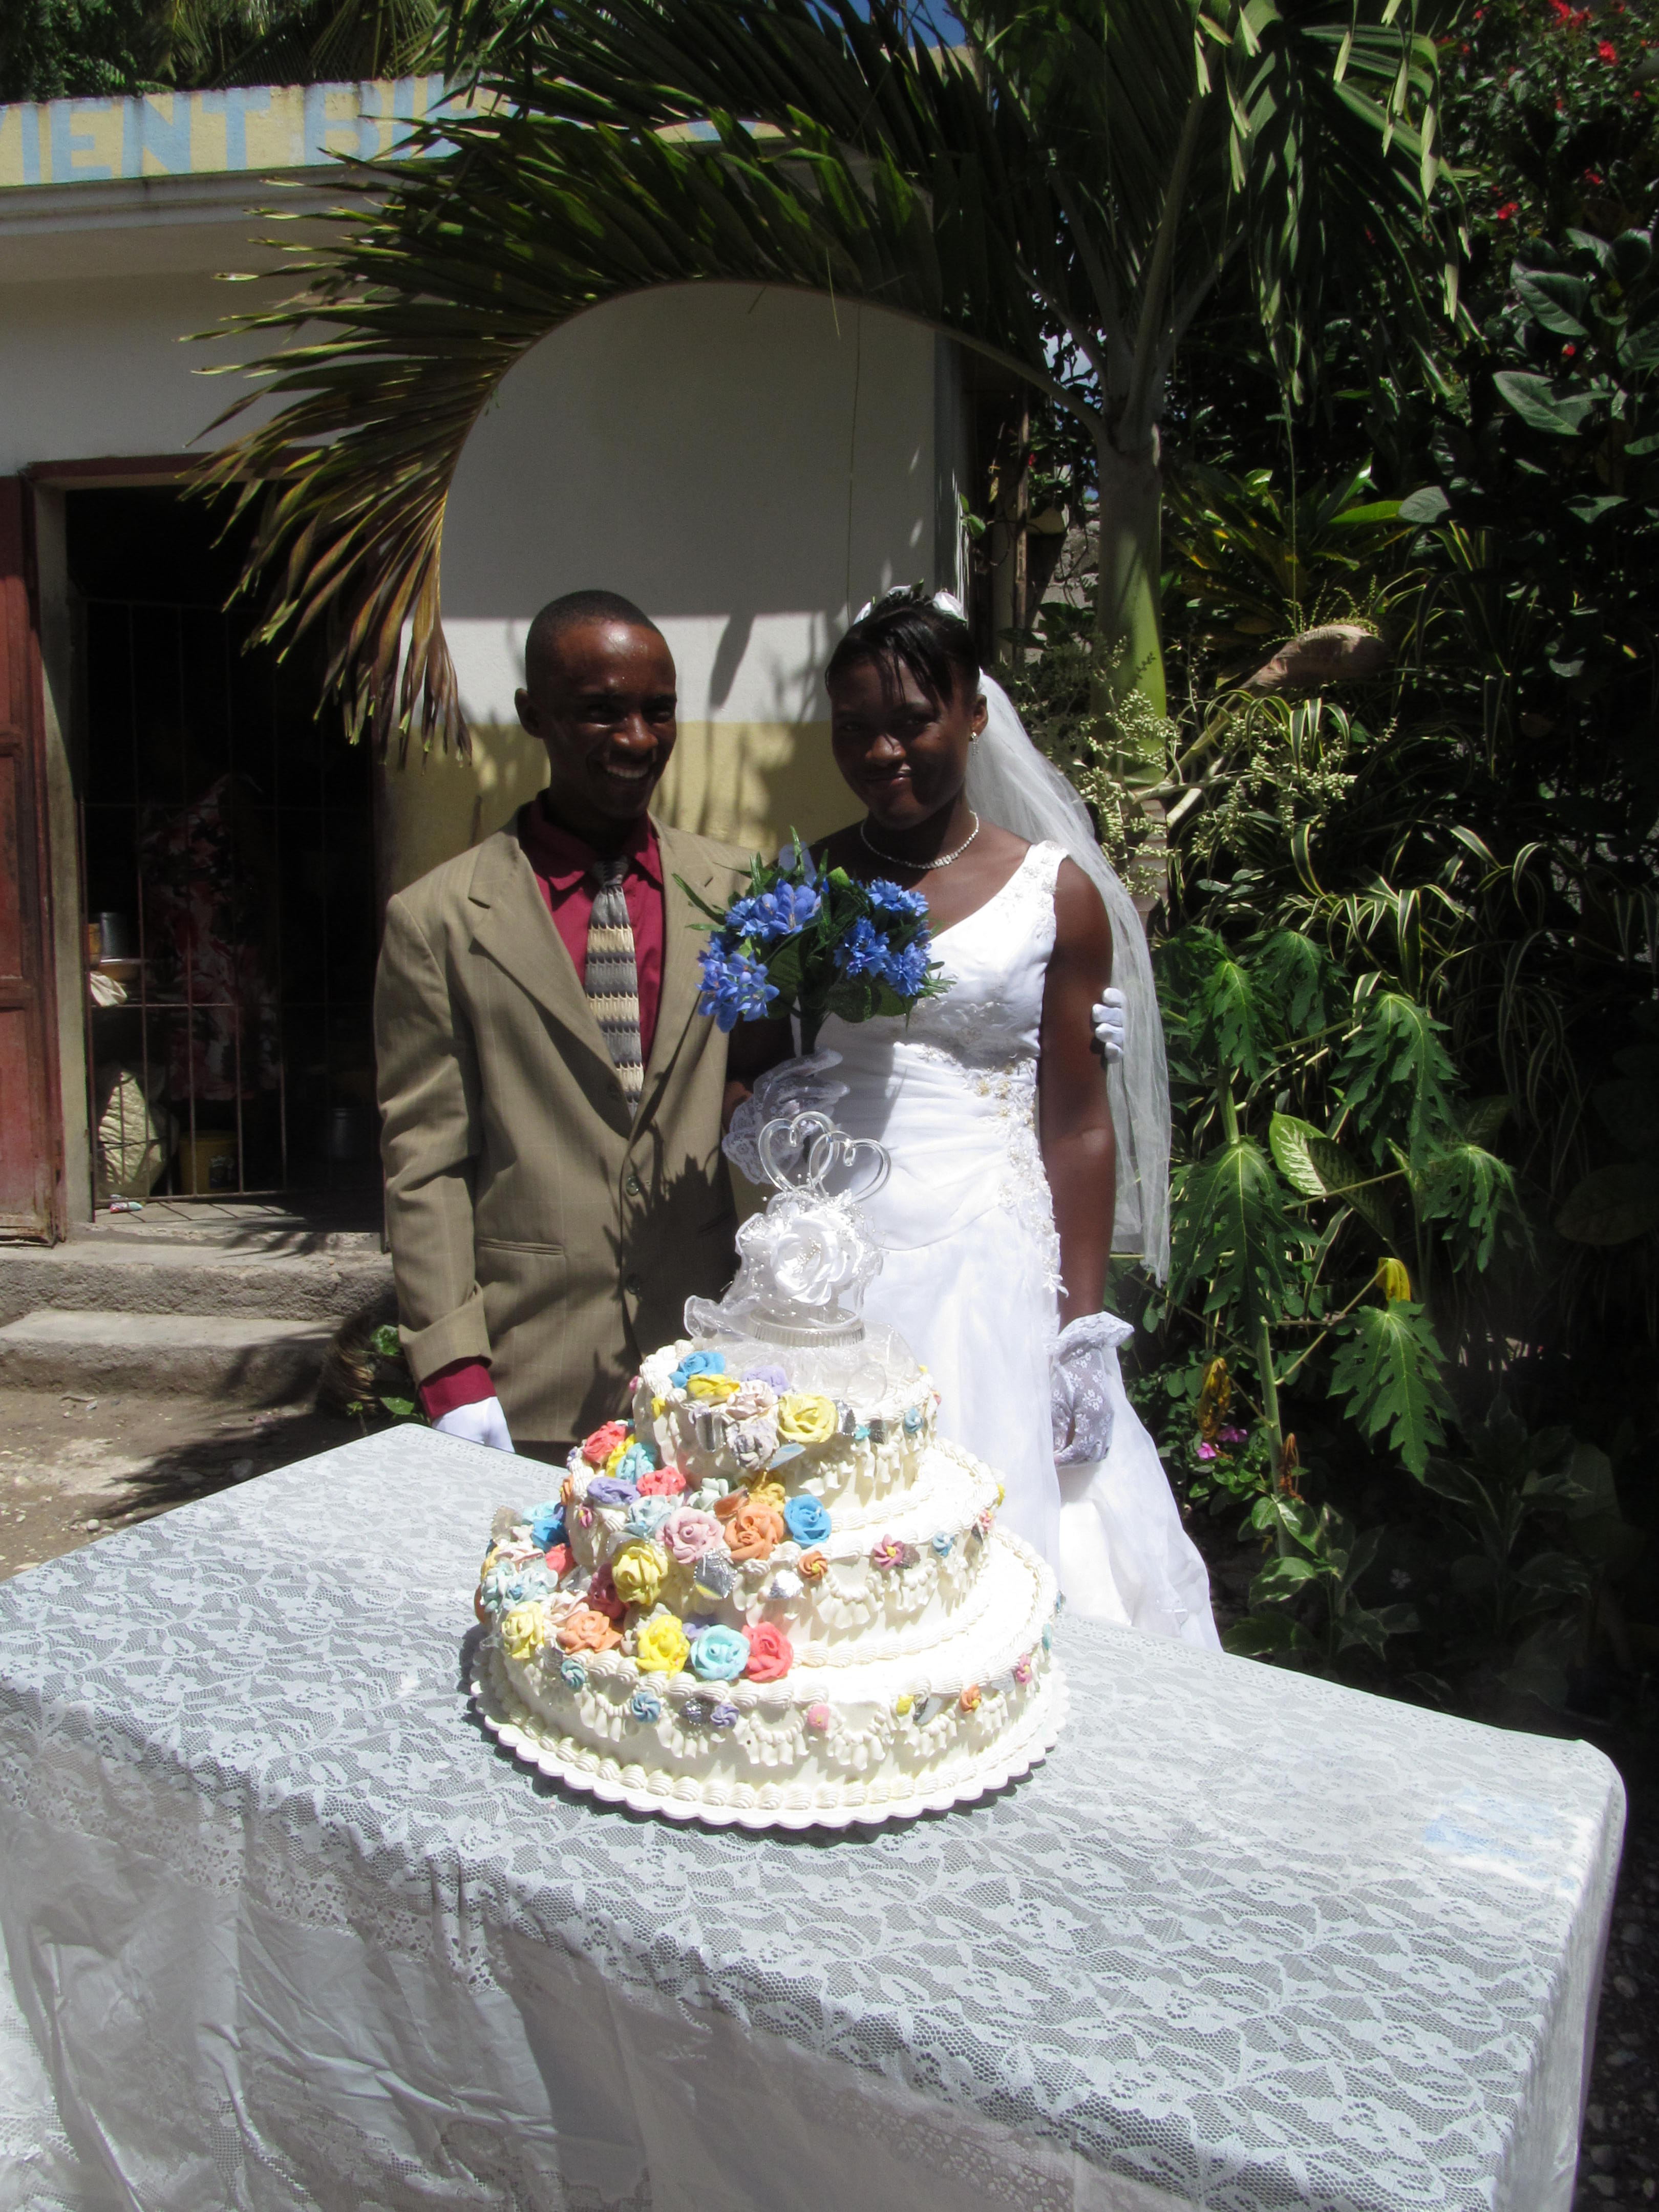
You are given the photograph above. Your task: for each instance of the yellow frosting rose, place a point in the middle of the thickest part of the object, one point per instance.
(637, 1570)
(662, 1647)
(805, 1419)
(524, 1630)
(715, 1388)
(767, 1494)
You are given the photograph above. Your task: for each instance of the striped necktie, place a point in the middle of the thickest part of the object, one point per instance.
(611, 979)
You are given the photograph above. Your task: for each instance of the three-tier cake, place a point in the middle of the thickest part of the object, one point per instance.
(775, 1595)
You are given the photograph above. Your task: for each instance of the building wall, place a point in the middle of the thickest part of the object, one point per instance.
(750, 467)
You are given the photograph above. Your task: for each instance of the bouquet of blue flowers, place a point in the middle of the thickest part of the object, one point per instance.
(810, 943)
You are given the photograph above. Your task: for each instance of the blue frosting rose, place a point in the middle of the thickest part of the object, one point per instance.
(547, 1526)
(719, 1655)
(574, 1673)
(637, 1459)
(697, 1363)
(646, 1515)
(806, 1520)
(645, 1705)
(514, 1584)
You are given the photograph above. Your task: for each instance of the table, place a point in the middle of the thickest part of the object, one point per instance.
(286, 1928)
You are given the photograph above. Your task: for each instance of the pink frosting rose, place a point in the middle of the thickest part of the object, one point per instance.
(661, 1482)
(771, 1655)
(690, 1535)
(597, 1448)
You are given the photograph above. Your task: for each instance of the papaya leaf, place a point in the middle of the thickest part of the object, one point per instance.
(1394, 1068)
(1299, 975)
(1288, 1140)
(1470, 1191)
(1230, 1231)
(1388, 1365)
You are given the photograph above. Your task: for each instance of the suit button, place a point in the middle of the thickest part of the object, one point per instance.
(633, 1287)
(632, 1185)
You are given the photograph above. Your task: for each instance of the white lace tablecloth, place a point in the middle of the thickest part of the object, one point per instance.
(286, 1928)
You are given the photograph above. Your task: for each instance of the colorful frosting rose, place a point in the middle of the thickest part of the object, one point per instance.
(754, 1400)
(806, 1520)
(767, 1494)
(813, 1566)
(573, 1674)
(771, 1655)
(547, 1526)
(602, 1596)
(733, 1503)
(584, 1630)
(696, 1363)
(523, 1631)
(637, 1572)
(611, 1490)
(719, 1655)
(515, 1581)
(597, 1448)
(661, 1482)
(710, 1390)
(752, 1443)
(559, 1559)
(806, 1419)
(945, 1543)
(568, 1491)
(970, 1699)
(773, 1377)
(1023, 1670)
(645, 1705)
(754, 1532)
(646, 1515)
(689, 1534)
(661, 1646)
(817, 1719)
(633, 1462)
(722, 1715)
(888, 1555)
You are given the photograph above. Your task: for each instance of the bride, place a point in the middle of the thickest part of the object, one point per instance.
(1012, 1155)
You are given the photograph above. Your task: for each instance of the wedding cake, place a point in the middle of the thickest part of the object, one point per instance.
(775, 1595)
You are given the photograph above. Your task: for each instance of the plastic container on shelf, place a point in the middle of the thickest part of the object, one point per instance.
(207, 1164)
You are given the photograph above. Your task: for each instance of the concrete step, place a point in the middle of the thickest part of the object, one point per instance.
(255, 1360)
(257, 1279)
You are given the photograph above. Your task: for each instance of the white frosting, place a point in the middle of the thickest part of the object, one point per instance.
(906, 1634)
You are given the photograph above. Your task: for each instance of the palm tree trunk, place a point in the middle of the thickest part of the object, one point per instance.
(1126, 625)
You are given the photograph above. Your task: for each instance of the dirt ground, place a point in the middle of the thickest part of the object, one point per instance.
(75, 1468)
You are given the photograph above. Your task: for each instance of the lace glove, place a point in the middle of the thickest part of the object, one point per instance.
(1111, 1033)
(481, 1422)
(1079, 1407)
(795, 1086)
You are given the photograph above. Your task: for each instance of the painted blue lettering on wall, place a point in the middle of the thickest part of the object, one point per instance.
(67, 142)
(236, 106)
(164, 137)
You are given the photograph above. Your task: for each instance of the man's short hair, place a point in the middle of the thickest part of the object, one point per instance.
(566, 613)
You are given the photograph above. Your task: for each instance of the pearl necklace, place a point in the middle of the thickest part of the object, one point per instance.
(919, 868)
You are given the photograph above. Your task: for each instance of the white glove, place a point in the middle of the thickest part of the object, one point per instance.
(802, 1086)
(1079, 1407)
(481, 1422)
(1111, 1033)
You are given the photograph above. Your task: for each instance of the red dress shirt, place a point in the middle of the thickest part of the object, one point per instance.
(562, 860)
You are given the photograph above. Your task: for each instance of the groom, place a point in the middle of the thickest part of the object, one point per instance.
(553, 1103)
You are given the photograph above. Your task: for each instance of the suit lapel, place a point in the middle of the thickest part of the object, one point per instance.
(682, 944)
(512, 924)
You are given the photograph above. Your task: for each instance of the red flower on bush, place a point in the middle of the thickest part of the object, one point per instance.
(1509, 208)
(1592, 176)
(1607, 51)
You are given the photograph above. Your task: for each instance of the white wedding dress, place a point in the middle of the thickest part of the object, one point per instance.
(971, 1261)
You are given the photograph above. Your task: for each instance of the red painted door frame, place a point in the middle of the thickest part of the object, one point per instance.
(32, 1195)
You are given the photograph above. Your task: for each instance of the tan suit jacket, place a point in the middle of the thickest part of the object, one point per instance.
(533, 1222)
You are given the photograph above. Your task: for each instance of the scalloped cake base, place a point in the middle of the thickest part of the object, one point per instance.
(581, 1767)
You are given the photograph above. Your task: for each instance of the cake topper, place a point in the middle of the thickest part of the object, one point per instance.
(804, 1263)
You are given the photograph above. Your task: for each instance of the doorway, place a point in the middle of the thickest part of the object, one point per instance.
(228, 867)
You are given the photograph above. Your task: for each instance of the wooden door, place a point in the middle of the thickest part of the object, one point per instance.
(30, 1136)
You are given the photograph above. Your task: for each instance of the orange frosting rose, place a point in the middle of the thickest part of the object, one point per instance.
(753, 1532)
(813, 1564)
(733, 1502)
(587, 1631)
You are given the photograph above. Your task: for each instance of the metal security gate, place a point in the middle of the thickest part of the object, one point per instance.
(227, 857)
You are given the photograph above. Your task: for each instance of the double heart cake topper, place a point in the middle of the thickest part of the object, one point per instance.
(813, 1149)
